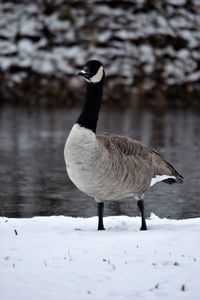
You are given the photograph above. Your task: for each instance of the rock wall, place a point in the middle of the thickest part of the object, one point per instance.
(150, 50)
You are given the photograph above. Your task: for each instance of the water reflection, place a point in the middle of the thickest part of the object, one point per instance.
(34, 180)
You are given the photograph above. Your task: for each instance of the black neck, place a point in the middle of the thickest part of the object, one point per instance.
(90, 112)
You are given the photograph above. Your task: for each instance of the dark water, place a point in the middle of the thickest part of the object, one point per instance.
(33, 180)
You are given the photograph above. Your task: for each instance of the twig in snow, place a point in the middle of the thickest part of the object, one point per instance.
(183, 288)
(109, 262)
(69, 255)
(155, 287)
(89, 292)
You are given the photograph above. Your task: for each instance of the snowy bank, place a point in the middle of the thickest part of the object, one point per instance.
(66, 258)
(146, 47)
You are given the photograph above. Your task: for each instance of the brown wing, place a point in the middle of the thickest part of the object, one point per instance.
(131, 147)
(127, 146)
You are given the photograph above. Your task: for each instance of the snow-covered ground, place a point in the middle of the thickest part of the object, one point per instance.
(66, 258)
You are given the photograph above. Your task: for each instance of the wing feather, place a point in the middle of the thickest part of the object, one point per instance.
(135, 151)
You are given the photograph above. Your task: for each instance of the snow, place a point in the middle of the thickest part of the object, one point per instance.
(6, 48)
(27, 34)
(176, 2)
(25, 47)
(66, 258)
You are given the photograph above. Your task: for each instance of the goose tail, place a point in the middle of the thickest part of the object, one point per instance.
(178, 178)
(163, 167)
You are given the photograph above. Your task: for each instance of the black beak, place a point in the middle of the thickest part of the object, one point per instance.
(84, 72)
(81, 73)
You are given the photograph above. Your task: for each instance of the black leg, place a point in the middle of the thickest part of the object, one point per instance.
(100, 207)
(140, 205)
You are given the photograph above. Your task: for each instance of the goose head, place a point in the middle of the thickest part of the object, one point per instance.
(93, 71)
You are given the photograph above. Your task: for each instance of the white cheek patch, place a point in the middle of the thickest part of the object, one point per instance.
(158, 178)
(98, 76)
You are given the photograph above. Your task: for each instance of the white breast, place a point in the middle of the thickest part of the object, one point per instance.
(80, 155)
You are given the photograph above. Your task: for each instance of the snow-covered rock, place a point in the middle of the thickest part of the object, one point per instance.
(138, 41)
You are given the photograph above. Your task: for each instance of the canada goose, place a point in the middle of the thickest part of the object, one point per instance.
(108, 166)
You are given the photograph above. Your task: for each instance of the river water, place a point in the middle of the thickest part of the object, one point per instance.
(33, 178)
